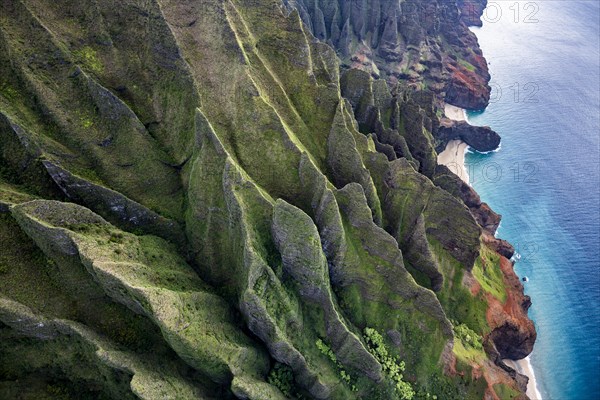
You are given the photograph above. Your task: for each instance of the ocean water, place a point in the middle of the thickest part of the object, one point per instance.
(544, 61)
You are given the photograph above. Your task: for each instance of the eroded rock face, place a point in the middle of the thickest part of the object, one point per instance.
(466, 88)
(513, 333)
(408, 195)
(124, 266)
(480, 138)
(113, 205)
(451, 183)
(414, 43)
(297, 239)
(400, 121)
(400, 42)
(495, 357)
(471, 11)
(500, 246)
(486, 218)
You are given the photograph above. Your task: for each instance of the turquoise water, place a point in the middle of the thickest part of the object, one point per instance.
(545, 178)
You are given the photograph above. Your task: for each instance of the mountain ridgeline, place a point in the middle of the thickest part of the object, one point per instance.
(224, 199)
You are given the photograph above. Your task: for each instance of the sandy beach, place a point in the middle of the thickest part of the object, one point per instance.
(524, 367)
(453, 155)
(455, 113)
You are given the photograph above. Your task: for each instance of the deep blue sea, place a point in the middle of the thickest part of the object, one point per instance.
(544, 61)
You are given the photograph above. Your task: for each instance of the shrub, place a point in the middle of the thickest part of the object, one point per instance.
(468, 336)
(392, 367)
(326, 350)
(282, 378)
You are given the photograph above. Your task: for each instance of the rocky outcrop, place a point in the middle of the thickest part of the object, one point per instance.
(495, 357)
(480, 138)
(389, 274)
(500, 246)
(454, 185)
(513, 333)
(407, 123)
(405, 49)
(471, 11)
(344, 159)
(409, 194)
(486, 218)
(466, 88)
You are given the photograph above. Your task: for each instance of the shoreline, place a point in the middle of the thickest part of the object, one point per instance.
(453, 155)
(524, 367)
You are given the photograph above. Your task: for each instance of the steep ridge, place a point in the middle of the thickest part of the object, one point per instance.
(206, 192)
(421, 47)
(421, 44)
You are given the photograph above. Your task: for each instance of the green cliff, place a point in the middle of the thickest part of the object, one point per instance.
(196, 202)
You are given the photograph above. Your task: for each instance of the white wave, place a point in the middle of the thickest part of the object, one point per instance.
(515, 257)
(497, 149)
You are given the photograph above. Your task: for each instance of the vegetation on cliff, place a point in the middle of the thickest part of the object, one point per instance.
(196, 203)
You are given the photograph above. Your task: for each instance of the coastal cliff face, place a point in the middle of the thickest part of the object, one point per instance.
(203, 199)
(421, 47)
(420, 44)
